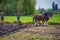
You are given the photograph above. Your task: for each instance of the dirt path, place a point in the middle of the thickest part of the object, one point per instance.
(50, 29)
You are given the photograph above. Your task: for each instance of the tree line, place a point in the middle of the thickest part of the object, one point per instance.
(54, 7)
(12, 7)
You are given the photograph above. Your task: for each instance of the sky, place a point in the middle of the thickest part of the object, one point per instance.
(46, 3)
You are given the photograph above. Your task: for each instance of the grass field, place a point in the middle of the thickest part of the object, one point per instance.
(13, 18)
(55, 18)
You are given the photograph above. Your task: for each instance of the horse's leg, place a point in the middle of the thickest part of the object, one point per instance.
(37, 23)
(43, 22)
(34, 21)
(46, 23)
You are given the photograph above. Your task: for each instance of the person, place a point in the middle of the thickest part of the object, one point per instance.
(2, 18)
(18, 18)
(1, 15)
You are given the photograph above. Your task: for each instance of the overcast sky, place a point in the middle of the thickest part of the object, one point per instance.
(46, 3)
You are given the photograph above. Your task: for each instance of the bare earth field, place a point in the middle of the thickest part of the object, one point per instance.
(52, 32)
(50, 29)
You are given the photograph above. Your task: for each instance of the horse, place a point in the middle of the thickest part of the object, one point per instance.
(42, 18)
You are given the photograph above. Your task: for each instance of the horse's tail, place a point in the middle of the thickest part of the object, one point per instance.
(33, 19)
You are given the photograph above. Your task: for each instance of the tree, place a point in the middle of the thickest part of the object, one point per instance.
(56, 7)
(59, 11)
(2, 4)
(12, 7)
(32, 7)
(53, 6)
(29, 7)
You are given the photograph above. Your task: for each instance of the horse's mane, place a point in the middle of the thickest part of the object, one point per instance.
(38, 14)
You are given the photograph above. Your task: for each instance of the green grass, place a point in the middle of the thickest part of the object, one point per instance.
(13, 18)
(10, 18)
(54, 19)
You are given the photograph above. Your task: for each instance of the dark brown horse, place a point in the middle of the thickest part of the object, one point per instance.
(42, 17)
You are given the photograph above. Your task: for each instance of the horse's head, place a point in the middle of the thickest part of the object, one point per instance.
(47, 14)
